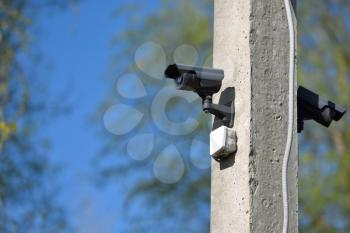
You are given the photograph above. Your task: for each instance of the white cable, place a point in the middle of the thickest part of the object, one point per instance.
(290, 113)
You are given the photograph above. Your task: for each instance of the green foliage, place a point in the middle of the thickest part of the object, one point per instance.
(13, 37)
(26, 202)
(324, 66)
(180, 207)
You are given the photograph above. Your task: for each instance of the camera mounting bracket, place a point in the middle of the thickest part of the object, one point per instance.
(224, 111)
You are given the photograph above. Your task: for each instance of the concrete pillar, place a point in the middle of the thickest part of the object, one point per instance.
(251, 44)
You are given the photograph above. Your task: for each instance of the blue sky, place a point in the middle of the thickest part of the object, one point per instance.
(75, 44)
(76, 48)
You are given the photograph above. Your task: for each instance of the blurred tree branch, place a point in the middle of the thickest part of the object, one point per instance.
(27, 203)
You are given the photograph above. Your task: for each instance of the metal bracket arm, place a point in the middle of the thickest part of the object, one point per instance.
(223, 112)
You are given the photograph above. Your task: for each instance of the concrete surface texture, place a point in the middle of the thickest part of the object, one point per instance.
(251, 44)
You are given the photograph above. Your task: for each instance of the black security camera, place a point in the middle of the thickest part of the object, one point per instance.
(205, 82)
(312, 107)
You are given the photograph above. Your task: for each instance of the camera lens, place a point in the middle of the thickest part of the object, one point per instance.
(179, 80)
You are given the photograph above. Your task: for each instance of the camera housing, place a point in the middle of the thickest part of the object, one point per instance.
(205, 82)
(313, 107)
(202, 80)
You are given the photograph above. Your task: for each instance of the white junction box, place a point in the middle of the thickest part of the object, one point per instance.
(223, 142)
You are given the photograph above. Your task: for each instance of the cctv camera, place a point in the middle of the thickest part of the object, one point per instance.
(205, 82)
(312, 106)
(202, 80)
